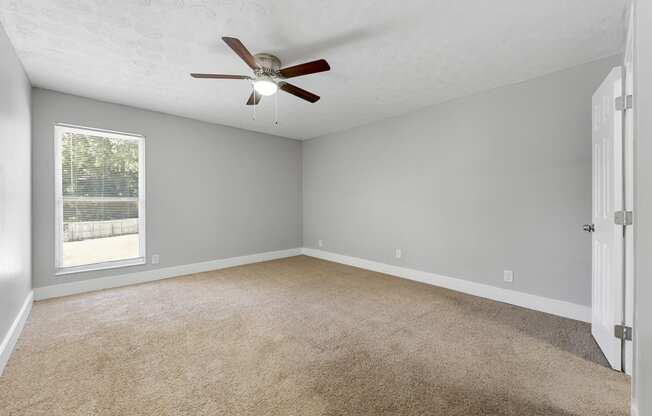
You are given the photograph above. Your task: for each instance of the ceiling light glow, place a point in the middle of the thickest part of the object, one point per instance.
(265, 86)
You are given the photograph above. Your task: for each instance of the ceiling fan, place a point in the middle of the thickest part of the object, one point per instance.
(268, 75)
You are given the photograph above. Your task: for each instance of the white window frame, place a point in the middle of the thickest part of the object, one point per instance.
(59, 130)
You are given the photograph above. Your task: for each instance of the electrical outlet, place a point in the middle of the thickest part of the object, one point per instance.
(155, 259)
(508, 276)
(398, 253)
(320, 243)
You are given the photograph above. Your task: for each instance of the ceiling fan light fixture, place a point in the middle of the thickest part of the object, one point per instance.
(265, 86)
(269, 76)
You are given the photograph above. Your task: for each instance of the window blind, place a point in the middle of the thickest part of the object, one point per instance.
(99, 201)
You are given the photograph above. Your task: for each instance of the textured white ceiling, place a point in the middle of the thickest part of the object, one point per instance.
(387, 57)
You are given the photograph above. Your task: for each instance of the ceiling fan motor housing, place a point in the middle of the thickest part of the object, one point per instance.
(269, 65)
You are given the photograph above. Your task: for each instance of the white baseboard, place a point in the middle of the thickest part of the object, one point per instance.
(525, 300)
(11, 337)
(90, 285)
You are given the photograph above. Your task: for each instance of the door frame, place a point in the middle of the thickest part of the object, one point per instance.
(628, 192)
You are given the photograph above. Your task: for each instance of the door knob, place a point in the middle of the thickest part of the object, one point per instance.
(589, 228)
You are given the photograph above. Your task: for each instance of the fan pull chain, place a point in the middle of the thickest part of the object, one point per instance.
(276, 109)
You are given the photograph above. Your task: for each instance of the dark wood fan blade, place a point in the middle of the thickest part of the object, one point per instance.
(304, 69)
(220, 76)
(242, 52)
(299, 92)
(254, 100)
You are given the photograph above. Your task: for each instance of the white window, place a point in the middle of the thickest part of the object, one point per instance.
(100, 199)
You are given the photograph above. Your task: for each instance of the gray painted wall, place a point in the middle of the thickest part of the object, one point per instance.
(499, 180)
(212, 191)
(15, 186)
(643, 209)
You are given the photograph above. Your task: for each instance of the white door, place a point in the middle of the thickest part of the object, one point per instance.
(607, 238)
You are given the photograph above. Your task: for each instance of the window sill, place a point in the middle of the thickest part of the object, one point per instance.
(100, 266)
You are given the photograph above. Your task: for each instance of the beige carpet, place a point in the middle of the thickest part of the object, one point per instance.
(302, 336)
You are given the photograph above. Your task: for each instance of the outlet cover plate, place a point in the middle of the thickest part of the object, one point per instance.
(508, 276)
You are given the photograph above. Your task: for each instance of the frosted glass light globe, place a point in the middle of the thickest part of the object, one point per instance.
(265, 87)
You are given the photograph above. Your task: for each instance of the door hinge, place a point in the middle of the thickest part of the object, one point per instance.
(624, 102)
(623, 332)
(623, 218)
